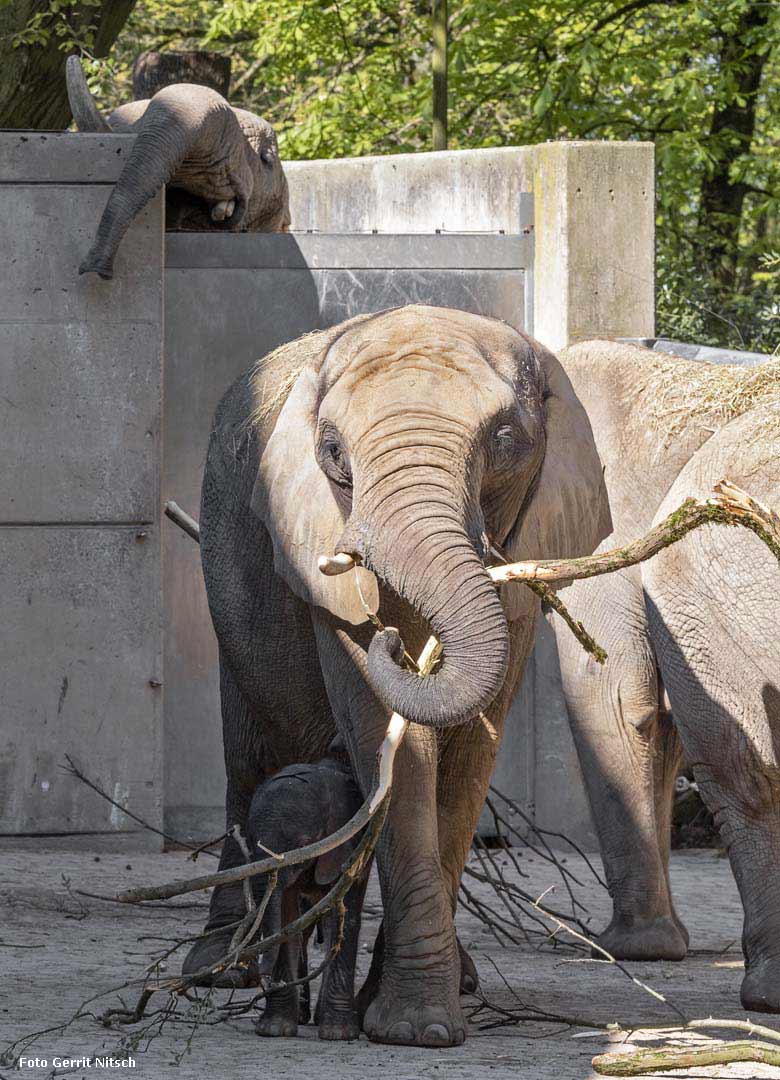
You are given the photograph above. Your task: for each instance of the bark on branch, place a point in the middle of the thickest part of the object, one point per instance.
(730, 505)
(396, 729)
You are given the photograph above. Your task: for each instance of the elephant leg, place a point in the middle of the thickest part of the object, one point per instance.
(467, 756)
(337, 1014)
(667, 762)
(417, 1002)
(622, 747)
(728, 711)
(244, 760)
(280, 1016)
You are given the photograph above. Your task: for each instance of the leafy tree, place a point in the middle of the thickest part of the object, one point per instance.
(700, 78)
(36, 37)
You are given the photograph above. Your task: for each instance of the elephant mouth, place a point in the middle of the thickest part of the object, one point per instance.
(473, 645)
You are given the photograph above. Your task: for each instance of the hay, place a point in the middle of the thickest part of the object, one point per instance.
(701, 392)
(275, 374)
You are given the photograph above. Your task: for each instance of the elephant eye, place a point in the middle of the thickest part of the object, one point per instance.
(266, 156)
(333, 459)
(504, 439)
(506, 444)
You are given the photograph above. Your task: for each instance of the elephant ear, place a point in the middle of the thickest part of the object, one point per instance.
(294, 500)
(568, 511)
(328, 867)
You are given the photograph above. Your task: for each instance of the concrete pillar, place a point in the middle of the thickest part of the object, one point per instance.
(594, 220)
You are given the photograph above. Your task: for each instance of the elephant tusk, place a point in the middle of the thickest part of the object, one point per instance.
(331, 565)
(223, 210)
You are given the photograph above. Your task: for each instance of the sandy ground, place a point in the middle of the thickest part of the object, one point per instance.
(57, 949)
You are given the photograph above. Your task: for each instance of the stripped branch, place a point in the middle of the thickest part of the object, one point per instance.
(643, 1062)
(183, 520)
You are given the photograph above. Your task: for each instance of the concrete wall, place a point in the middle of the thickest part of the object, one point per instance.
(593, 218)
(80, 385)
(80, 430)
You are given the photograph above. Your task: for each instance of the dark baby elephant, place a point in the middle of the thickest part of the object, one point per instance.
(298, 806)
(411, 440)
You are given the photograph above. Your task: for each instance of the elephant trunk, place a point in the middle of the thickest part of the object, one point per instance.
(421, 548)
(161, 146)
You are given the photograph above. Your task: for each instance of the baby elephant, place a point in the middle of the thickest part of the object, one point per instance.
(297, 806)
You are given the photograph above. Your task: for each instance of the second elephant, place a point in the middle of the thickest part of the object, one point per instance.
(694, 656)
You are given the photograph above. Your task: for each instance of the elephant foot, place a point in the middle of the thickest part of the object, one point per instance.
(208, 951)
(339, 1026)
(469, 979)
(683, 929)
(276, 1026)
(423, 1010)
(651, 939)
(760, 991)
(414, 1025)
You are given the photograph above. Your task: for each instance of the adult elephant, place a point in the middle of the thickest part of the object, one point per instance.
(411, 439)
(694, 658)
(221, 164)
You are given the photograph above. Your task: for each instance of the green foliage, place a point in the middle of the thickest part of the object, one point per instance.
(354, 77)
(72, 31)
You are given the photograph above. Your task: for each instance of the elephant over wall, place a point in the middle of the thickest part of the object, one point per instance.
(221, 164)
(413, 440)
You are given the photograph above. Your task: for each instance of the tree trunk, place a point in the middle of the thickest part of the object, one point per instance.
(154, 70)
(32, 76)
(731, 133)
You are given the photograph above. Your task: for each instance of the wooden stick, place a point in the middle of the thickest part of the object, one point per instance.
(396, 729)
(643, 1062)
(183, 520)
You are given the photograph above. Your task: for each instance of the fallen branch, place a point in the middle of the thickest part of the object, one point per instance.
(74, 770)
(642, 1062)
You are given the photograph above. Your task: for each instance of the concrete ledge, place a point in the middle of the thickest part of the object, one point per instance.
(62, 157)
(311, 251)
(457, 190)
(691, 351)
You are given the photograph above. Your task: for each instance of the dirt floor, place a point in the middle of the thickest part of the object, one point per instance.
(58, 949)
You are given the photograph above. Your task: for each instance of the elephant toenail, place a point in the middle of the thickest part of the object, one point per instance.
(436, 1035)
(401, 1033)
(459, 1037)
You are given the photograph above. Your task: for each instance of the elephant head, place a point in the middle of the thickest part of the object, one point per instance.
(421, 437)
(224, 161)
